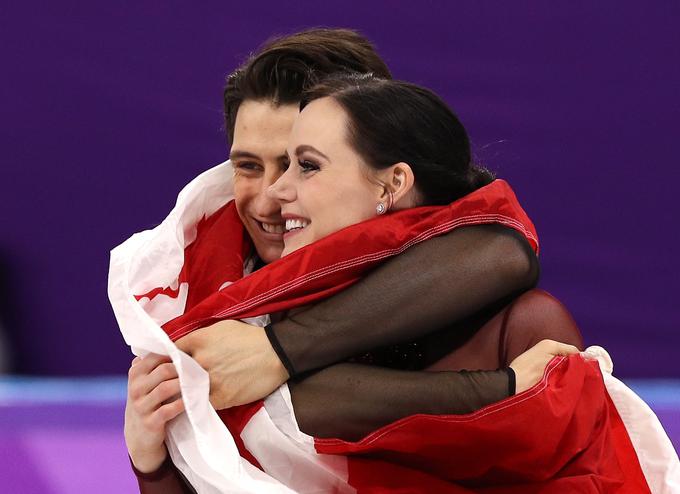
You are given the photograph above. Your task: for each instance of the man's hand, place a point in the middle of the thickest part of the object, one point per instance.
(152, 401)
(242, 364)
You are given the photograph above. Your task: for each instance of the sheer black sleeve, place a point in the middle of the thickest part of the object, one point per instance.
(350, 400)
(432, 284)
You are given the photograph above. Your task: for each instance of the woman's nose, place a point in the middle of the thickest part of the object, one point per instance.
(282, 190)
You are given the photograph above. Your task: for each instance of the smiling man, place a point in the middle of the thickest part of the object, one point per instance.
(472, 270)
(258, 156)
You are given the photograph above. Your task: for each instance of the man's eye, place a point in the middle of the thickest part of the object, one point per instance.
(308, 166)
(248, 166)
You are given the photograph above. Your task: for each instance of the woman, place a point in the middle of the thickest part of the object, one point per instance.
(402, 148)
(360, 147)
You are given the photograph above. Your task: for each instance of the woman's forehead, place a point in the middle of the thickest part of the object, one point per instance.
(321, 123)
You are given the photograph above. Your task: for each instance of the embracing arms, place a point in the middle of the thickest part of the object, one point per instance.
(431, 285)
(436, 282)
(428, 287)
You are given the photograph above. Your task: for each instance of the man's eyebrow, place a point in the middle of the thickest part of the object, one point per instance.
(305, 147)
(237, 154)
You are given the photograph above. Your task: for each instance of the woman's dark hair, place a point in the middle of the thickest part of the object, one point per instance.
(284, 67)
(394, 121)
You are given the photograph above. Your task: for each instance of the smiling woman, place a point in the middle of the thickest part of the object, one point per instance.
(322, 191)
(362, 146)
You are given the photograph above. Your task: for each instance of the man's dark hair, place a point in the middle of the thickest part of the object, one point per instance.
(285, 66)
(393, 121)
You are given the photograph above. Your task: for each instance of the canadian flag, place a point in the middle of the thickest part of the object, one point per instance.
(578, 430)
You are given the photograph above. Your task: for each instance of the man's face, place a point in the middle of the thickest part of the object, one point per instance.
(258, 154)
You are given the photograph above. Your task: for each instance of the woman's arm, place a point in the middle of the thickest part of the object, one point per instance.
(365, 398)
(374, 396)
(431, 285)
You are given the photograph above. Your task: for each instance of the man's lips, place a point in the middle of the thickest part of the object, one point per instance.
(275, 228)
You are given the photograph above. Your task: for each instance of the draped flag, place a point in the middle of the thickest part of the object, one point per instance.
(578, 430)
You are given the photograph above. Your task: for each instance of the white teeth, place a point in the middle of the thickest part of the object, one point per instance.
(295, 224)
(272, 227)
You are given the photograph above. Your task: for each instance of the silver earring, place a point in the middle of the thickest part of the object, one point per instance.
(380, 208)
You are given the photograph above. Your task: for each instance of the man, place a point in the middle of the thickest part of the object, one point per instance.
(491, 263)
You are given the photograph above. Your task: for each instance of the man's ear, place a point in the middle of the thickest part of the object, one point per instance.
(400, 182)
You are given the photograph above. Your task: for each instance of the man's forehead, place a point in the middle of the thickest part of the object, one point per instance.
(262, 129)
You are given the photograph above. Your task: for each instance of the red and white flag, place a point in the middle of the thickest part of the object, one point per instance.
(578, 430)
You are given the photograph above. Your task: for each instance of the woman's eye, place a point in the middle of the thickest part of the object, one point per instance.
(308, 166)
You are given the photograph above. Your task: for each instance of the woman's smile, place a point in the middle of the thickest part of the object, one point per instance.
(294, 225)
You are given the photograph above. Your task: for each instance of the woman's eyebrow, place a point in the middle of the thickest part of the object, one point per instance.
(306, 147)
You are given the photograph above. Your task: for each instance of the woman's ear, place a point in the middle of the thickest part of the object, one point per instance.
(399, 181)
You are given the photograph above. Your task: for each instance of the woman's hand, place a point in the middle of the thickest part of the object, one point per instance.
(530, 365)
(153, 400)
(242, 364)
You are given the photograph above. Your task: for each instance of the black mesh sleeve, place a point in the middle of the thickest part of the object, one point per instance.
(432, 284)
(349, 401)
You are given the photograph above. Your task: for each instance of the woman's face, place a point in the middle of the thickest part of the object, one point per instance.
(326, 186)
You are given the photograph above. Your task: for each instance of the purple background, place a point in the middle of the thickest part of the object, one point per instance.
(108, 109)
(62, 435)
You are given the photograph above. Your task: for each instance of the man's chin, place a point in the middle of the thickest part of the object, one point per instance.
(269, 251)
(268, 245)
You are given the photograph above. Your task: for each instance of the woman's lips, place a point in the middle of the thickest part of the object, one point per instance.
(289, 234)
(294, 226)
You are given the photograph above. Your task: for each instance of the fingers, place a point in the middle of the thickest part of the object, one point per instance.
(163, 372)
(163, 394)
(156, 420)
(564, 349)
(147, 364)
(556, 348)
(169, 411)
(147, 373)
